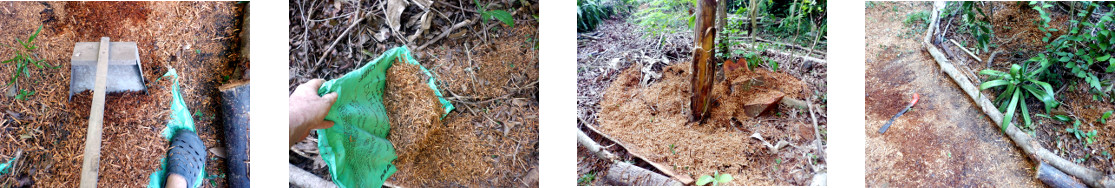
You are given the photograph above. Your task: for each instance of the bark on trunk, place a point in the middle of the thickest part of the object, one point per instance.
(623, 174)
(1055, 178)
(703, 66)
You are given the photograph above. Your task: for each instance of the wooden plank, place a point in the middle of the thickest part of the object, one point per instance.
(92, 156)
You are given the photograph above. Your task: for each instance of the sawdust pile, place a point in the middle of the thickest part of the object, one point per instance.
(653, 121)
(489, 141)
(199, 39)
(131, 146)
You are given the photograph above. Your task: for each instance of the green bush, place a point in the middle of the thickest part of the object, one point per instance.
(590, 13)
(1086, 45)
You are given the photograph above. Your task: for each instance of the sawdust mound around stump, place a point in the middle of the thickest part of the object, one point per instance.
(653, 121)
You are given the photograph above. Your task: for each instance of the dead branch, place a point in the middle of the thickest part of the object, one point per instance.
(1055, 178)
(773, 51)
(624, 174)
(962, 48)
(302, 178)
(330, 48)
(817, 133)
(444, 34)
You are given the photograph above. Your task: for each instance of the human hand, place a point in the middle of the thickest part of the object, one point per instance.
(308, 110)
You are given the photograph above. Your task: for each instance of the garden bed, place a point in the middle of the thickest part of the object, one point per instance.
(945, 138)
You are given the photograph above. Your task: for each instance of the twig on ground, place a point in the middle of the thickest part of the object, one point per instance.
(816, 131)
(962, 48)
(317, 66)
(445, 33)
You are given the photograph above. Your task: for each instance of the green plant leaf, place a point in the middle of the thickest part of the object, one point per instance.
(993, 83)
(724, 178)
(503, 16)
(1062, 118)
(1010, 111)
(1025, 112)
(1103, 119)
(32, 38)
(704, 180)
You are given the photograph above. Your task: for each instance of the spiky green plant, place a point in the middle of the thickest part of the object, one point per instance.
(1020, 83)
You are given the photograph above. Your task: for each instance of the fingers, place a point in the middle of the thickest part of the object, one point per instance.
(310, 86)
(330, 97)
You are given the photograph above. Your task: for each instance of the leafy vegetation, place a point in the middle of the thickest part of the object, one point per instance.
(586, 179)
(24, 59)
(665, 16)
(1086, 137)
(1086, 46)
(975, 22)
(1020, 84)
(486, 15)
(716, 179)
(590, 13)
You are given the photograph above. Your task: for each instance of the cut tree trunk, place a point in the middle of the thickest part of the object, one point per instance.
(703, 66)
(1055, 178)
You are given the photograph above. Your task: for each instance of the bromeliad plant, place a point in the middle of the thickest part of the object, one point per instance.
(1019, 84)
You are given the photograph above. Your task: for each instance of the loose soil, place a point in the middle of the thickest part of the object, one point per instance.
(652, 119)
(199, 39)
(945, 140)
(490, 76)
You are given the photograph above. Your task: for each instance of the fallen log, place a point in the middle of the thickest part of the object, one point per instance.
(235, 108)
(1055, 178)
(1031, 147)
(624, 174)
(636, 157)
(776, 52)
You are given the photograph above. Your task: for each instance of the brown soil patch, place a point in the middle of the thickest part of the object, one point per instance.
(653, 119)
(199, 39)
(943, 140)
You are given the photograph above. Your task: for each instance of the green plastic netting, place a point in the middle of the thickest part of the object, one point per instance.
(356, 148)
(180, 118)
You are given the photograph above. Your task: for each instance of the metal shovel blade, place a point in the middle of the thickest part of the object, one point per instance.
(124, 70)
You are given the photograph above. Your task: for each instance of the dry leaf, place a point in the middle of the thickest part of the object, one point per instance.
(393, 12)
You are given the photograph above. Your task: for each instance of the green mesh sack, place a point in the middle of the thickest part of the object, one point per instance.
(180, 118)
(356, 147)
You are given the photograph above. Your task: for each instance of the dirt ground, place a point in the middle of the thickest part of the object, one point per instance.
(199, 39)
(489, 73)
(651, 118)
(945, 140)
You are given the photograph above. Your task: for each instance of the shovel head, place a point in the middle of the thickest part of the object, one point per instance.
(124, 70)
